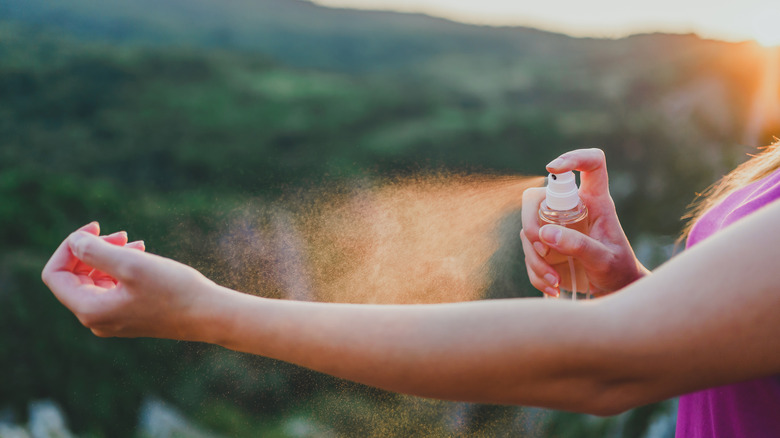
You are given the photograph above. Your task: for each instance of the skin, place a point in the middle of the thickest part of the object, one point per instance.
(683, 328)
(604, 253)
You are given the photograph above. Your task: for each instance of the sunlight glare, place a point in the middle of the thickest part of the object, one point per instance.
(766, 29)
(756, 20)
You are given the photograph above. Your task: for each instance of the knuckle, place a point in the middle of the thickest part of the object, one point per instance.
(526, 244)
(600, 269)
(45, 276)
(93, 320)
(532, 259)
(85, 250)
(538, 285)
(528, 249)
(87, 315)
(532, 193)
(612, 263)
(599, 153)
(607, 265)
(534, 278)
(129, 270)
(578, 246)
(88, 320)
(100, 333)
(530, 228)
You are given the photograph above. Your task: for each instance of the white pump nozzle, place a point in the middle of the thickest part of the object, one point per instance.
(562, 191)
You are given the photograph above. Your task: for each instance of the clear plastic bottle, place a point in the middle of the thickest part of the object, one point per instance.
(563, 206)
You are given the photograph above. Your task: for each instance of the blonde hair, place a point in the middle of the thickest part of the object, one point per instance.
(750, 171)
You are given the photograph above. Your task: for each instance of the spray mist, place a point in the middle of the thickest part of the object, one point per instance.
(563, 206)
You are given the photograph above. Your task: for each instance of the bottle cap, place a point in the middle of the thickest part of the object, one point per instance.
(562, 191)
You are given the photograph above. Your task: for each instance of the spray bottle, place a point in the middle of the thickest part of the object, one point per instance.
(563, 206)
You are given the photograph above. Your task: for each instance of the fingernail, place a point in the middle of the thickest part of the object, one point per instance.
(118, 233)
(93, 224)
(556, 162)
(552, 292)
(551, 280)
(540, 248)
(137, 244)
(550, 234)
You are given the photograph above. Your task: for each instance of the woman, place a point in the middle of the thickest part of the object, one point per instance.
(705, 319)
(745, 409)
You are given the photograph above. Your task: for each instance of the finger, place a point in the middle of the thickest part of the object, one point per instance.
(115, 261)
(105, 283)
(100, 333)
(138, 244)
(118, 238)
(537, 263)
(541, 274)
(58, 273)
(63, 259)
(532, 198)
(568, 242)
(592, 164)
(105, 280)
(531, 255)
(542, 285)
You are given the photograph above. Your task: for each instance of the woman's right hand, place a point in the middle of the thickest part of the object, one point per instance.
(604, 253)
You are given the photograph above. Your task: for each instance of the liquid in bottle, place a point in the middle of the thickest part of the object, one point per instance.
(563, 206)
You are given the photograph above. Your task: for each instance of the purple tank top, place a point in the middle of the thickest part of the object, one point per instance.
(748, 409)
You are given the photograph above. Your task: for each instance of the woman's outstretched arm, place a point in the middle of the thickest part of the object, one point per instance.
(706, 318)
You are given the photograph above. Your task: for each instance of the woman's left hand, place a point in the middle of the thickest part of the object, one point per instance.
(116, 289)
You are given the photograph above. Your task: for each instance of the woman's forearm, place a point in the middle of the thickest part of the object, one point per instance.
(500, 351)
(704, 319)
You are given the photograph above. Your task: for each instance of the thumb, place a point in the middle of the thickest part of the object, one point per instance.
(101, 255)
(573, 243)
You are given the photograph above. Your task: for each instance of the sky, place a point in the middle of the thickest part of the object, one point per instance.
(730, 20)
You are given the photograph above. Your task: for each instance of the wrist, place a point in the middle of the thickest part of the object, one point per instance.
(211, 317)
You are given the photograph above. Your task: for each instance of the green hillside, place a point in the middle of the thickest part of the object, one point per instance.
(296, 32)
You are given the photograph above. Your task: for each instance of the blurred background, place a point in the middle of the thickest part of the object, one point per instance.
(165, 117)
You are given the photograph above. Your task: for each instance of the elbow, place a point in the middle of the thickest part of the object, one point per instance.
(585, 396)
(614, 398)
(594, 395)
(607, 409)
